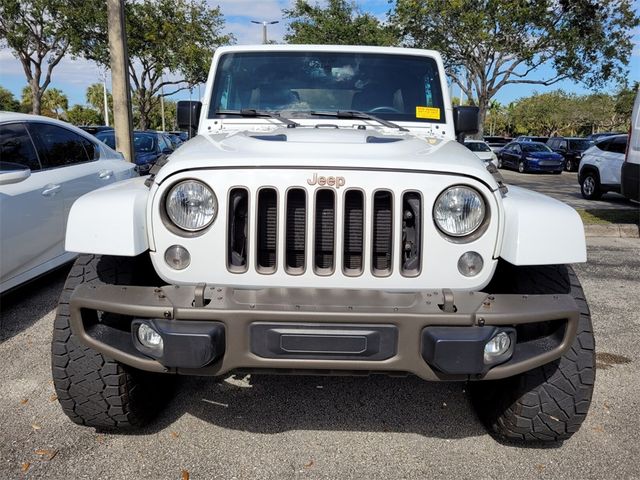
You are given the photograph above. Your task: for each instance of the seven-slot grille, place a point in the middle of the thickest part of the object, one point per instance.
(321, 213)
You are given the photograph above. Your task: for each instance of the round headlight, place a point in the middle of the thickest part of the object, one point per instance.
(459, 211)
(191, 205)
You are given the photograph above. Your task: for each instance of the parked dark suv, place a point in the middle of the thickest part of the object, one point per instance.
(571, 149)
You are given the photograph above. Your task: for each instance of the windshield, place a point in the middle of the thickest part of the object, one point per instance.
(579, 145)
(393, 87)
(535, 147)
(477, 147)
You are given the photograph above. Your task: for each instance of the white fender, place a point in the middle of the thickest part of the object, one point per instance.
(110, 220)
(540, 230)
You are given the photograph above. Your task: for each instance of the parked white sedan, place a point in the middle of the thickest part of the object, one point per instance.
(482, 151)
(45, 165)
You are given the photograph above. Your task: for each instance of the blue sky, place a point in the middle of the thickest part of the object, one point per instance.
(72, 76)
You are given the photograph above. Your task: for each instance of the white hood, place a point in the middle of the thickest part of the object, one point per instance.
(327, 147)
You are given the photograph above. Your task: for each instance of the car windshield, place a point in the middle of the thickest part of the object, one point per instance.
(392, 87)
(477, 146)
(535, 147)
(144, 142)
(579, 145)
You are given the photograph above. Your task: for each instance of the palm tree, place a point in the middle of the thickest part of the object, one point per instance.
(55, 101)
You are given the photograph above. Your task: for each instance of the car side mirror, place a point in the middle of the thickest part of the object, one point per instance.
(13, 173)
(465, 121)
(188, 115)
(167, 151)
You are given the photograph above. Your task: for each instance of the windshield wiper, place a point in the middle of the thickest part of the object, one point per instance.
(356, 114)
(250, 112)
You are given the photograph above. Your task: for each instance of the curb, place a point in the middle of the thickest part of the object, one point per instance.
(618, 230)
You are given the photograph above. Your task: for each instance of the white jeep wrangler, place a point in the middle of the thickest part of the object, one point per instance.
(326, 220)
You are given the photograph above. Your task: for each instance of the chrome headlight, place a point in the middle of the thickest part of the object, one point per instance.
(191, 205)
(459, 211)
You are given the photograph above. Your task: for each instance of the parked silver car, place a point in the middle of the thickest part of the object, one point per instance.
(45, 165)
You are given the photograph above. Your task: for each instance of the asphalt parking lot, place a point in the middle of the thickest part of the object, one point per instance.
(320, 427)
(564, 187)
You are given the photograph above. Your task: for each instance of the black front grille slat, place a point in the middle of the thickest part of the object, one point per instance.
(296, 230)
(382, 241)
(309, 217)
(353, 232)
(267, 230)
(324, 243)
(237, 228)
(411, 234)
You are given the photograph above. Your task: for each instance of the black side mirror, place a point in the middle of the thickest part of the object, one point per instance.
(188, 113)
(465, 121)
(167, 151)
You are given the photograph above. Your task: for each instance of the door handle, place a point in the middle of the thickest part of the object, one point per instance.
(105, 174)
(50, 190)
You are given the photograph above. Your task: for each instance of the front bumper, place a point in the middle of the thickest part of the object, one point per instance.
(321, 330)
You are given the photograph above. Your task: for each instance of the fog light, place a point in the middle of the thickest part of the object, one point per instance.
(177, 257)
(149, 337)
(470, 264)
(497, 347)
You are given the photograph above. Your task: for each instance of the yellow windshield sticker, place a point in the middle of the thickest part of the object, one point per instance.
(432, 113)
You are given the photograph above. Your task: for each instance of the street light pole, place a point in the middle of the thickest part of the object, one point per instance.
(105, 99)
(264, 28)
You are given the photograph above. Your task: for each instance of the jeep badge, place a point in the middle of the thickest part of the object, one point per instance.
(328, 181)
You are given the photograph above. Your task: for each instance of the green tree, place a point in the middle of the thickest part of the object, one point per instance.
(548, 114)
(39, 33)
(170, 119)
(624, 101)
(170, 45)
(53, 102)
(487, 44)
(95, 98)
(8, 101)
(81, 115)
(339, 23)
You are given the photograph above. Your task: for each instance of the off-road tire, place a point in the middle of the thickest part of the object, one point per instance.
(92, 389)
(550, 402)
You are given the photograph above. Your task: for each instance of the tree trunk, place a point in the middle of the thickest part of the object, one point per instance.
(143, 109)
(483, 106)
(36, 98)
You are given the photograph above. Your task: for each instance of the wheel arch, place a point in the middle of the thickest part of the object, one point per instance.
(534, 226)
(110, 220)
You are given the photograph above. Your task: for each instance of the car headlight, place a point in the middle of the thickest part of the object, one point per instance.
(459, 211)
(191, 205)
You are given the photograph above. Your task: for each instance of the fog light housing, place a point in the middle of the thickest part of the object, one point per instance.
(149, 338)
(498, 348)
(470, 264)
(177, 257)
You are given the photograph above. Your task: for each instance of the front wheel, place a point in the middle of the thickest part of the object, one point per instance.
(548, 403)
(522, 167)
(92, 389)
(590, 186)
(568, 166)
